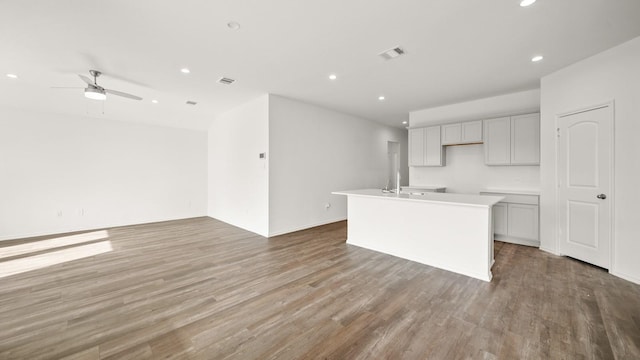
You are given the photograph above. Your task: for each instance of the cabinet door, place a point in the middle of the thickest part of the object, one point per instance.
(472, 132)
(522, 221)
(525, 139)
(451, 134)
(434, 154)
(416, 147)
(497, 141)
(500, 219)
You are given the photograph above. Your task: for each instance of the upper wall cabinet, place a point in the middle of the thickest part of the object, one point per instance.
(512, 140)
(462, 133)
(525, 139)
(425, 148)
(416, 147)
(497, 141)
(434, 156)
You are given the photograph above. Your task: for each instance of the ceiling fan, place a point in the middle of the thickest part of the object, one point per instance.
(97, 92)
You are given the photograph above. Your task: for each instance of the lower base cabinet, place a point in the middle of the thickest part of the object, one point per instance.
(515, 219)
(500, 218)
(522, 221)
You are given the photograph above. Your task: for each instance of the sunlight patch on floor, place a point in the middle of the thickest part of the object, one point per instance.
(9, 251)
(40, 261)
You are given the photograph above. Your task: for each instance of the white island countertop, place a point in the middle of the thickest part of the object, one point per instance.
(449, 231)
(453, 199)
(511, 191)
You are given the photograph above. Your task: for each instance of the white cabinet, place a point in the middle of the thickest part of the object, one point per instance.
(500, 218)
(472, 132)
(451, 134)
(522, 220)
(512, 140)
(525, 139)
(425, 148)
(515, 218)
(497, 141)
(416, 147)
(462, 133)
(434, 156)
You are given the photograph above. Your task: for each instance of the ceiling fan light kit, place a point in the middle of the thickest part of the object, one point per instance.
(95, 94)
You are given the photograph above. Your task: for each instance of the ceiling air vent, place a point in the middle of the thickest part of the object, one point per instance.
(191, 102)
(226, 81)
(391, 53)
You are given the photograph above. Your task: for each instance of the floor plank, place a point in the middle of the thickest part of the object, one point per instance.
(203, 289)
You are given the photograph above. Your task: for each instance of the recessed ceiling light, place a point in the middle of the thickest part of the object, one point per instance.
(333, 77)
(404, 123)
(13, 76)
(524, 3)
(537, 58)
(381, 98)
(154, 101)
(185, 70)
(233, 25)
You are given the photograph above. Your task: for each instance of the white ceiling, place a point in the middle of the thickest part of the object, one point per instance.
(456, 50)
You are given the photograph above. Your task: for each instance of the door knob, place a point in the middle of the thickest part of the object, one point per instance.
(601, 196)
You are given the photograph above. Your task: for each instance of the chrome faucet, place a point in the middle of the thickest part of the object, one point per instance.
(397, 190)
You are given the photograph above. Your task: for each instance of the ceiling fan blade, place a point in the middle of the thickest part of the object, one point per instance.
(123, 94)
(86, 79)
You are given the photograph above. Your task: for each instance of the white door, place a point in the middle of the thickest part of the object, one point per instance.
(393, 161)
(584, 178)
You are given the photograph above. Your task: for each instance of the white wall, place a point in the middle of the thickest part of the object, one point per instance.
(314, 151)
(611, 75)
(519, 102)
(238, 178)
(63, 173)
(465, 171)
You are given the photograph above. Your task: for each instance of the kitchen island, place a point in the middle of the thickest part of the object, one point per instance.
(448, 231)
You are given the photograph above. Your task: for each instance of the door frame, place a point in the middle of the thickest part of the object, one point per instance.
(611, 105)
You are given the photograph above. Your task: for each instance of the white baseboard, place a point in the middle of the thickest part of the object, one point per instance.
(89, 228)
(307, 226)
(240, 226)
(550, 251)
(513, 240)
(624, 276)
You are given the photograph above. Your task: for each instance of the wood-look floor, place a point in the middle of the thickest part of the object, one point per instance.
(202, 289)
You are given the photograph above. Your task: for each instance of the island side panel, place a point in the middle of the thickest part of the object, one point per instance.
(450, 237)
